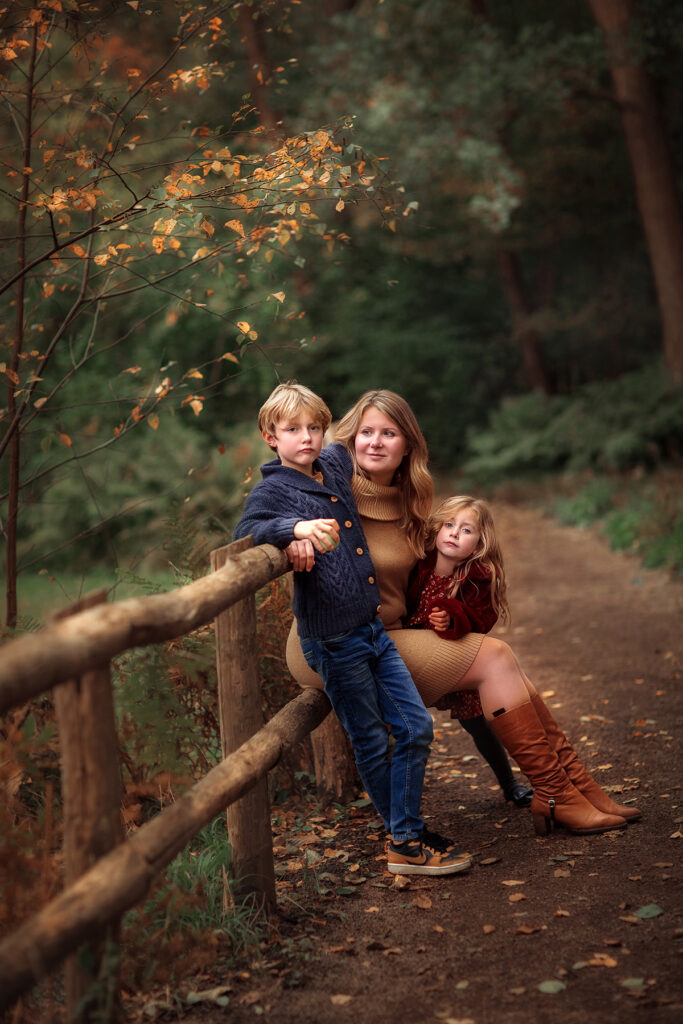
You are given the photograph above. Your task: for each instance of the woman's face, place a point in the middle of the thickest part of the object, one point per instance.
(380, 446)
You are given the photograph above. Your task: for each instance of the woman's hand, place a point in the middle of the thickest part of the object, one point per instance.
(439, 619)
(301, 554)
(322, 533)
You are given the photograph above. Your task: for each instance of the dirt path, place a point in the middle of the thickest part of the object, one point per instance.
(601, 916)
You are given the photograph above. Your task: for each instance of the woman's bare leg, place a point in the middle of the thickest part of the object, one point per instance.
(498, 678)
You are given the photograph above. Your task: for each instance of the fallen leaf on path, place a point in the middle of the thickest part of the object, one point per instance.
(401, 882)
(422, 901)
(513, 881)
(372, 910)
(488, 929)
(561, 913)
(438, 928)
(518, 990)
(630, 919)
(392, 951)
(528, 929)
(602, 960)
(210, 995)
(516, 897)
(488, 860)
(551, 987)
(651, 910)
(340, 1000)
(249, 998)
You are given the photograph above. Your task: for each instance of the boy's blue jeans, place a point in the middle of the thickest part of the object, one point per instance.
(369, 687)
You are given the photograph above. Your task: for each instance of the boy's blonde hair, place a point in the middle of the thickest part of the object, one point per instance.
(412, 478)
(286, 401)
(488, 552)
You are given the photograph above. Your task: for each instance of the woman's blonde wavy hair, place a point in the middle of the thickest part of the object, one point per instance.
(488, 552)
(412, 477)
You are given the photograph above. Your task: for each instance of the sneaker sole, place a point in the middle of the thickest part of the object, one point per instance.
(429, 869)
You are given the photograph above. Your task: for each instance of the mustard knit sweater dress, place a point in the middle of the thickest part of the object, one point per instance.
(436, 665)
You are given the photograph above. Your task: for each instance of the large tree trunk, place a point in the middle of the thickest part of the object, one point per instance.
(656, 191)
(526, 337)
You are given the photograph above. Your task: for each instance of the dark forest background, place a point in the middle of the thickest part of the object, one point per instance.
(474, 203)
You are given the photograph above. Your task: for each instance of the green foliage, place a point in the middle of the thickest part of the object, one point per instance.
(634, 512)
(189, 904)
(591, 503)
(636, 420)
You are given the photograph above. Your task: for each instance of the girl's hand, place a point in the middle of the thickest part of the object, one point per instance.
(301, 554)
(439, 619)
(322, 533)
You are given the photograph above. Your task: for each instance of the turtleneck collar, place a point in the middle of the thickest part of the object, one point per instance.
(376, 501)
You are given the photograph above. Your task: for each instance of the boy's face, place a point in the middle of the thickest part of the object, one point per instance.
(298, 441)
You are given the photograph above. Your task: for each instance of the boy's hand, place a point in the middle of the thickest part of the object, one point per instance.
(322, 533)
(301, 554)
(439, 619)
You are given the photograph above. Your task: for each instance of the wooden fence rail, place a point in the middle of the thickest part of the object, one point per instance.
(65, 650)
(75, 652)
(122, 878)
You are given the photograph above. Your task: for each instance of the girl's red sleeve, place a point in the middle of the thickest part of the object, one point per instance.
(474, 613)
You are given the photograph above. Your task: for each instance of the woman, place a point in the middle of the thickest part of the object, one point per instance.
(393, 491)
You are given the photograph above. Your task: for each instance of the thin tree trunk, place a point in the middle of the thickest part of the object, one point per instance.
(655, 180)
(15, 362)
(527, 338)
(260, 70)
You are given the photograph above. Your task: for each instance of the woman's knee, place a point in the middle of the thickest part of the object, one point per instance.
(494, 656)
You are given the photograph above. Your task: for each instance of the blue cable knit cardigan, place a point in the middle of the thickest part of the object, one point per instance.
(340, 593)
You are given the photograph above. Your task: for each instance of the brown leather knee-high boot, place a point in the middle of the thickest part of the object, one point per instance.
(556, 800)
(574, 767)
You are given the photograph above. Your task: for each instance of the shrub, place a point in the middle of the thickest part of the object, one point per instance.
(636, 420)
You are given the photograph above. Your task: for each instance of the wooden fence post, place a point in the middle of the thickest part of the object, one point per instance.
(239, 700)
(91, 794)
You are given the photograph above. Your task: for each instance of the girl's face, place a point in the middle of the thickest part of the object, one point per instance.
(459, 537)
(380, 446)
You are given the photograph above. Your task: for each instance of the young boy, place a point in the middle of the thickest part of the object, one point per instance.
(305, 494)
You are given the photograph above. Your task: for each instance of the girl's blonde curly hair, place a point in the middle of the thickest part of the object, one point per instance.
(488, 553)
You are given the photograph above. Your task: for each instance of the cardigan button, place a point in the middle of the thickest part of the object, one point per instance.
(359, 551)
(334, 498)
(371, 579)
(348, 523)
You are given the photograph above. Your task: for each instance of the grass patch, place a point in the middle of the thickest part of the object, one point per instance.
(41, 594)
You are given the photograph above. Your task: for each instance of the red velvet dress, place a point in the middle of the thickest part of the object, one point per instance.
(471, 612)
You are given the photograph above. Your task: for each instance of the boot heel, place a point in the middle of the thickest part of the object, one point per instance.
(542, 825)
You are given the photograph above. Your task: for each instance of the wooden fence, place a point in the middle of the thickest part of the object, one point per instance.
(105, 874)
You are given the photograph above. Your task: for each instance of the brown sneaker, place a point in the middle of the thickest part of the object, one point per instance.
(416, 857)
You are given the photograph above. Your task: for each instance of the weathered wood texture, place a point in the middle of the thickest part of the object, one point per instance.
(252, 868)
(335, 769)
(91, 797)
(122, 878)
(32, 664)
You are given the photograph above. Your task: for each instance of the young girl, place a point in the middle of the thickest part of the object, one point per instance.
(459, 588)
